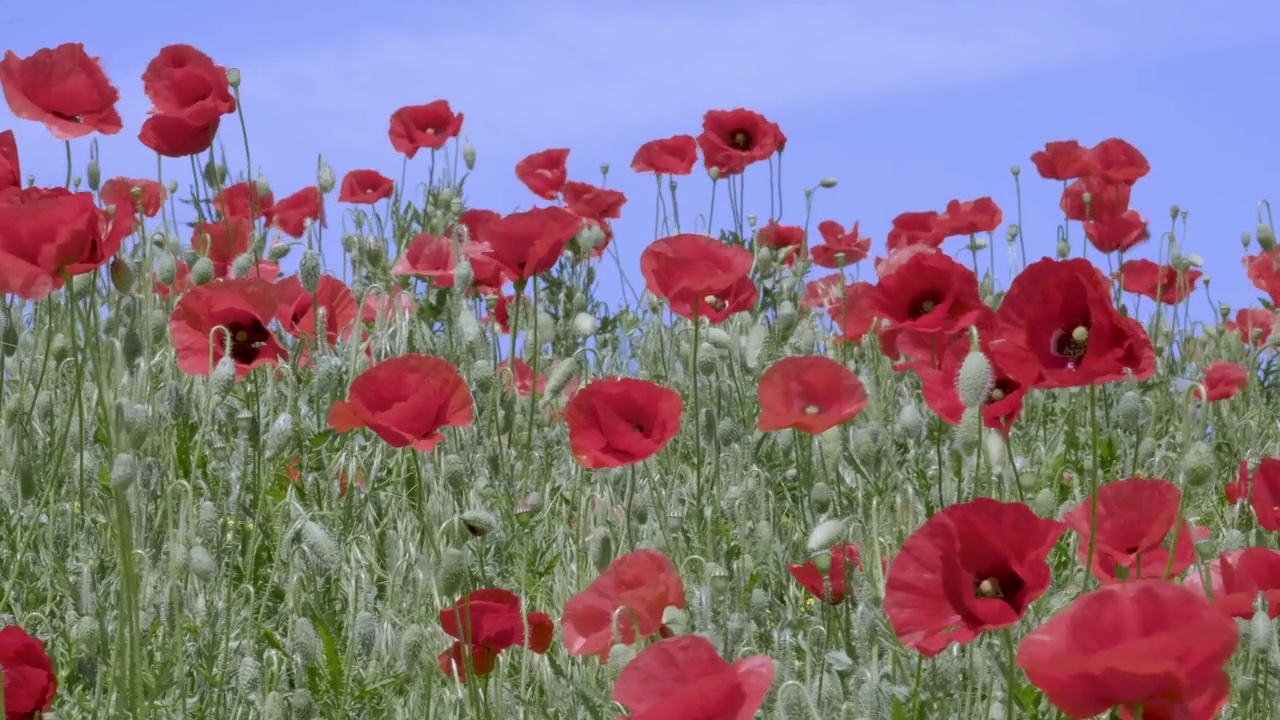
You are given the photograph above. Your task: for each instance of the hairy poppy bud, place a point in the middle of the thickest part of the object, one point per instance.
(241, 266)
(304, 642)
(1133, 412)
(975, 380)
(969, 431)
(479, 522)
(121, 275)
(166, 269)
(1064, 249)
(124, 471)
(600, 549)
(821, 497)
(201, 271)
(309, 270)
(1266, 237)
(1198, 464)
(469, 155)
(826, 534)
(325, 179)
(452, 572)
(201, 564)
(910, 421)
(95, 174)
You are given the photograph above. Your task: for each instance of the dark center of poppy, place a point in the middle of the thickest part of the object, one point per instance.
(714, 302)
(1072, 344)
(247, 340)
(923, 305)
(741, 139)
(1001, 584)
(638, 427)
(812, 410)
(68, 118)
(1003, 389)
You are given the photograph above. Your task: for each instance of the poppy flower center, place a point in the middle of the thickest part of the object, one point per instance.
(714, 302)
(68, 118)
(1003, 389)
(1002, 584)
(247, 339)
(638, 427)
(1072, 345)
(923, 305)
(740, 139)
(812, 410)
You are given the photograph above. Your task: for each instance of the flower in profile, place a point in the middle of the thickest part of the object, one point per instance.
(830, 585)
(971, 217)
(1239, 578)
(10, 168)
(684, 678)
(520, 377)
(699, 276)
(911, 229)
(810, 393)
(1265, 493)
(529, 243)
(29, 682)
(1135, 520)
(1106, 199)
(1254, 325)
(1162, 283)
(365, 187)
(544, 173)
(63, 88)
(1119, 233)
(668, 156)
(406, 401)
(839, 249)
(428, 256)
(621, 421)
(624, 604)
(484, 623)
(1062, 160)
(291, 214)
(430, 126)
(120, 193)
(228, 317)
(1222, 380)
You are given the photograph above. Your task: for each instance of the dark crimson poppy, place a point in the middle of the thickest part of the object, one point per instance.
(831, 585)
(10, 168)
(1163, 283)
(62, 88)
(520, 377)
(1265, 493)
(810, 393)
(428, 256)
(1263, 270)
(185, 85)
(1238, 578)
(406, 400)
(785, 240)
(490, 621)
(1062, 160)
(823, 292)
(177, 138)
(1254, 325)
(854, 315)
(414, 127)
(244, 200)
(1116, 161)
(621, 421)
(290, 214)
(1117, 234)
(222, 241)
(917, 228)
(588, 201)
(970, 568)
(297, 309)
(119, 192)
(930, 293)
(43, 236)
(231, 312)
(544, 172)
(1222, 380)
(1148, 644)
(1134, 525)
(529, 243)
(365, 187)
(624, 604)
(1003, 404)
(971, 217)
(733, 139)
(1059, 315)
(684, 678)
(839, 249)
(29, 682)
(181, 281)
(1106, 199)
(669, 156)
(699, 276)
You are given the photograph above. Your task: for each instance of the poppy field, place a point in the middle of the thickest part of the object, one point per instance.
(363, 450)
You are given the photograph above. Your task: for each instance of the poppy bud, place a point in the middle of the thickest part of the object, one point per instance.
(600, 549)
(278, 251)
(826, 534)
(479, 522)
(469, 155)
(309, 270)
(463, 274)
(166, 269)
(1064, 249)
(560, 376)
(821, 497)
(714, 174)
(452, 572)
(124, 471)
(95, 174)
(201, 564)
(717, 577)
(1260, 633)
(365, 633)
(223, 377)
(975, 380)
(279, 435)
(1146, 450)
(584, 324)
(910, 422)
(827, 182)
(201, 271)
(249, 677)
(969, 432)
(241, 266)
(1132, 412)
(1245, 239)
(1199, 463)
(619, 657)
(325, 179)
(81, 285)
(1266, 237)
(304, 642)
(75, 183)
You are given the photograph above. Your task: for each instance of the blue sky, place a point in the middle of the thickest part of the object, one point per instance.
(908, 104)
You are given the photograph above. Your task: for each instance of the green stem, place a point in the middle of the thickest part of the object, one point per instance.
(1093, 482)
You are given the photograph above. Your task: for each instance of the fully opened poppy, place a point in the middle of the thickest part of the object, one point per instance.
(297, 309)
(1058, 316)
(1118, 233)
(699, 276)
(489, 621)
(291, 214)
(839, 249)
(731, 140)
(529, 243)
(365, 187)
(810, 393)
(621, 421)
(930, 293)
(63, 88)
(970, 568)
(1135, 521)
(29, 682)
(1222, 380)
(44, 235)
(624, 604)
(831, 585)
(668, 156)
(1264, 495)
(10, 168)
(544, 172)
(1238, 578)
(1163, 283)
(231, 312)
(787, 241)
(406, 400)
(1147, 644)
(430, 126)
(428, 256)
(684, 678)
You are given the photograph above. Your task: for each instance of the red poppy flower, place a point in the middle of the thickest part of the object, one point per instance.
(428, 256)
(520, 377)
(1163, 283)
(810, 393)
(831, 585)
(490, 621)
(430, 126)
(839, 249)
(1222, 380)
(788, 239)
(1265, 495)
(377, 304)
(1059, 315)
(544, 172)
(886, 266)
(63, 88)
(365, 187)
(222, 241)
(1116, 161)
(290, 214)
(487, 275)
(668, 156)
(1135, 520)
(1106, 199)
(119, 192)
(236, 312)
(10, 168)
(855, 315)
(733, 139)
(621, 421)
(823, 292)
(529, 243)
(1253, 320)
(500, 313)
(406, 400)
(185, 85)
(930, 293)
(29, 682)
(1239, 488)
(297, 308)
(624, 604)
(1003, 404)
(244, 200)
(1148, 644)
(1263, 270)
(44, 235)
(699, 276)
(177, 138)
(588, 201)
(1117, 234)
(917, 228)
(971, 217)
(1063, 160)
(1238, 577)
(970, 568)
(684, 678)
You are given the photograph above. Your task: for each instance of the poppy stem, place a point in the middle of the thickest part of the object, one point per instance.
(697, 411)
(1011, 678)
(68, 182)
(1093, 481)
(533, 372)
